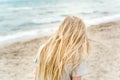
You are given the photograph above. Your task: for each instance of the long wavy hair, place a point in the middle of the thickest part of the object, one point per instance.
(67, 46)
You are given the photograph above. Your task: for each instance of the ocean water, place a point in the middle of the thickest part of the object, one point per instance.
(24, 17)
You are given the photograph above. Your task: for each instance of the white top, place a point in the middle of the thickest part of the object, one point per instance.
(82, 69)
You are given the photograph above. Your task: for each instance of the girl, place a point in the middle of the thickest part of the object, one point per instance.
(64, 56)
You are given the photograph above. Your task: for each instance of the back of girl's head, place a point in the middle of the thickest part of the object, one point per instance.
(68, 45)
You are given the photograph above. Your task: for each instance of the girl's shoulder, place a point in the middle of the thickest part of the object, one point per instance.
(81, 70)
(38, 53)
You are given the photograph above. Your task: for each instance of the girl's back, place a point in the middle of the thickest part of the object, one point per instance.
(82, 69)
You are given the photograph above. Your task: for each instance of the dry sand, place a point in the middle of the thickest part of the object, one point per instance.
(17, 59)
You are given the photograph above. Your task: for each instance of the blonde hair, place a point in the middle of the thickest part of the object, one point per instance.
(68, 42)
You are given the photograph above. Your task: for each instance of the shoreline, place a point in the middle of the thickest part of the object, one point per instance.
(47, 31)
(39, 36)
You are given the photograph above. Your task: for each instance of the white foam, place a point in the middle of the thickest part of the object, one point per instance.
(102, 20)
(19, 8)
(47, 20)
(22, 36)
(50, 30)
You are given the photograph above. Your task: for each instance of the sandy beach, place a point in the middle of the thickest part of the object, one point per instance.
(17, 59)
